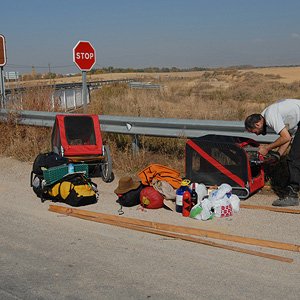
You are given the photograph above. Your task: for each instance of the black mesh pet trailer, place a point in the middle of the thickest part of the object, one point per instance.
(216, 159)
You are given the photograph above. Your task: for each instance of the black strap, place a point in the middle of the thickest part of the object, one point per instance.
(120, 210)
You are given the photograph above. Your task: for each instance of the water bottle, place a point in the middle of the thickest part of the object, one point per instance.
(186, 201)
(70, 168)
(179, 194)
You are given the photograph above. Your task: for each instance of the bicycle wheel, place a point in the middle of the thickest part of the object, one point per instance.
(106, 166)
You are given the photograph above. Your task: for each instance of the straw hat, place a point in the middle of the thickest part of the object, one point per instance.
(126, 184)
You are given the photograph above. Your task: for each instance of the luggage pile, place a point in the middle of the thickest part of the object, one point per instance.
(219, 172)
(155, 188)
(54, 178)
(160, 186)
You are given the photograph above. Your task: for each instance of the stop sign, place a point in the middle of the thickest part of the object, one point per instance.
(84, 55)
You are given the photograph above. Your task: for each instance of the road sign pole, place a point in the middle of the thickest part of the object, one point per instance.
(84, 56)
(84, 91)
(2, 88)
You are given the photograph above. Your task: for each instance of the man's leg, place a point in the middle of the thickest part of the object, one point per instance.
(293, 160)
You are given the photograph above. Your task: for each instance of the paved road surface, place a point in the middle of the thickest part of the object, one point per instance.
(44, 255)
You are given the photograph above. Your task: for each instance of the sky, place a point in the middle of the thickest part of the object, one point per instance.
(157, 33)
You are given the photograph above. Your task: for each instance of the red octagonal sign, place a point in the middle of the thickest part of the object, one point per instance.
(84, 55)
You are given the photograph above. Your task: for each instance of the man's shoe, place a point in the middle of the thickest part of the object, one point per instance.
(287, 201)
(290, 198)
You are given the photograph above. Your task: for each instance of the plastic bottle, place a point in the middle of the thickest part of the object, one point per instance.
(70, 168)
(194, 196)
(186, 201)
(179, 194)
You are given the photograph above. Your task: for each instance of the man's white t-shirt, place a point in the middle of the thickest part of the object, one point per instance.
(283, 113)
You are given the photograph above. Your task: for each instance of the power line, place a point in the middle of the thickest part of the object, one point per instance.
(38, 67)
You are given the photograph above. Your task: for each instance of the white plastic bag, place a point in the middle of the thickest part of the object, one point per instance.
(219, 193)
(222, 208)
(206, 213)
(201, 191)
(202, 210)
(235, 202)
(196, 211)
(220, 201)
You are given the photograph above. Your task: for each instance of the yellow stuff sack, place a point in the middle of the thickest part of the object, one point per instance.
(74, 189)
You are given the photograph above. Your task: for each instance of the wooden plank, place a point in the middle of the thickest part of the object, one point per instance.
(279, 209)
(177, 236)
(179, 229)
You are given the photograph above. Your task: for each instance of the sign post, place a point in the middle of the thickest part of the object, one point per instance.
(13, 76)
(84, 56)
(3, 60)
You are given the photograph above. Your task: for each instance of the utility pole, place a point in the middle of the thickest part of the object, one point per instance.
(49, 72)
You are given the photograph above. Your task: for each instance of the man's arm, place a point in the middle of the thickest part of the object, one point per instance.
(282, 142)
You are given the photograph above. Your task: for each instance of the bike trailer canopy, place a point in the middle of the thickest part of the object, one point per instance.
(77, 136)
(216, 159)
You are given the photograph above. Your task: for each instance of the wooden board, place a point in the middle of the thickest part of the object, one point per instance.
(178, 229)
(86, 216)
(278, 209)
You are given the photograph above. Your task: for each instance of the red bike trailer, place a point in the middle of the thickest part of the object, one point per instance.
(78, 137)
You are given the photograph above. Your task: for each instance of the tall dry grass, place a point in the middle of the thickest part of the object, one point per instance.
(211, 96)
(26, 142)
(220, 95)
(39, 98)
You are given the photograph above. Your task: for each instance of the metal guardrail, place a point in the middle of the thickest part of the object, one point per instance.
(70, 94)
(70, 85)
(159, 127)
(145, 85)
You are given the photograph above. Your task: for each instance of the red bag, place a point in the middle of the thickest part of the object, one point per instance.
(150, 198)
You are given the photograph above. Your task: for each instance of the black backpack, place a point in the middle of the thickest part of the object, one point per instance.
(129, 199)
(47, 160)
(44, 160)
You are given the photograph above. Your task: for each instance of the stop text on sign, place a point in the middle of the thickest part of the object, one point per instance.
(84, 55)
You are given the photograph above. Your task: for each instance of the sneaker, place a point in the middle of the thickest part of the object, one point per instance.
(289, 199)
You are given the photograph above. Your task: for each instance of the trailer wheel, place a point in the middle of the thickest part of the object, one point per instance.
(106, 166)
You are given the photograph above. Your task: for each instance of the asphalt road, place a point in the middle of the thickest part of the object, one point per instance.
(45, 255)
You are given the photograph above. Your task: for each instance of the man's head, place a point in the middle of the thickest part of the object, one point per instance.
(256, 123)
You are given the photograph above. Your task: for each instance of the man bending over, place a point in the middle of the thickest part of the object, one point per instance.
(283, 117)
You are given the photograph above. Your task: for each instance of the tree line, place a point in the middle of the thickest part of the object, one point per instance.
(111, 69)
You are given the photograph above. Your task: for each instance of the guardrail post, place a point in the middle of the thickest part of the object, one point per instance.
(74, 93)
(135, 145)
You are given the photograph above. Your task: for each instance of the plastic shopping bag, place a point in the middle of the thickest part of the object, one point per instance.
(220, 201)
(201, 191)
(235, 202)
(202, 210)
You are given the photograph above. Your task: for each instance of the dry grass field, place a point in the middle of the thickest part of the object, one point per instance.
(219, 95)
(287, 74)
(112, 76)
